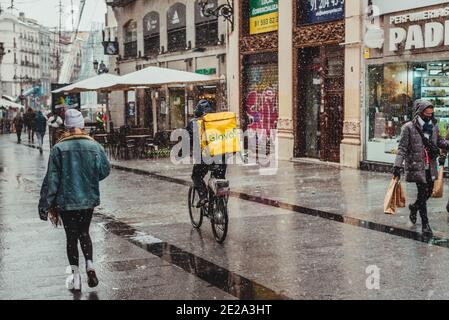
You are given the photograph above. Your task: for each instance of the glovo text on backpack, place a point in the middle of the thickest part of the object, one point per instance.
(219, 134)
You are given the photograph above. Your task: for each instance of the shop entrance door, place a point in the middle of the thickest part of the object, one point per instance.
(333, 115)
(320, 103)
(312, 111)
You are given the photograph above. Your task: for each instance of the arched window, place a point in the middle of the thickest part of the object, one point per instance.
(130, 39)
(176, 27)
(206, 28)
(151, 33)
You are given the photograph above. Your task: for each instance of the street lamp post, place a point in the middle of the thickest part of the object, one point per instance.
(2, 53)
(225, 10)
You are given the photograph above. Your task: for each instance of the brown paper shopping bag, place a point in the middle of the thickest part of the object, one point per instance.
(438, 186)
(395, 197)
(389, 201)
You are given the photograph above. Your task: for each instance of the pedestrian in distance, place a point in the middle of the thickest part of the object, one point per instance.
(29, 119)
(419, 148)
(55, 124)
(76, 166)
(40, 129)
(18, 123)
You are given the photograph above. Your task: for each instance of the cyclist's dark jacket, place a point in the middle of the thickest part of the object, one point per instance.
(200, 112)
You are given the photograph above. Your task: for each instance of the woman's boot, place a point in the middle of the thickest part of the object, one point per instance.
(92, 279)
(426, 230)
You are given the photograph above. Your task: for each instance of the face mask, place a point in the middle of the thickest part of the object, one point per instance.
(427, 119)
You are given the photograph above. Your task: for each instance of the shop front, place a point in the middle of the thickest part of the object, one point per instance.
(261, 92)
(319, 79)
(405, 62)
(259, 63)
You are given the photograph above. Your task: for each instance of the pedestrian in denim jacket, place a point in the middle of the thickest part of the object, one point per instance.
(76, 166)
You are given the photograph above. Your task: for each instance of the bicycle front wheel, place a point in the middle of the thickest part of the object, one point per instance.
(220, 220)
(196, 214)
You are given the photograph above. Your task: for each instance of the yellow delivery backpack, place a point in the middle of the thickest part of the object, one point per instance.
(219, 134)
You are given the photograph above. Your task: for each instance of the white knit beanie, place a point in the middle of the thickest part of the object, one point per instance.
(74, 119)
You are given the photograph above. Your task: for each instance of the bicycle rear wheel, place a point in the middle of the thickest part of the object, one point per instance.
(220, 220)
(196, 214)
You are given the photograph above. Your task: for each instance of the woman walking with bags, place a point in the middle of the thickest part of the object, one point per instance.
(419, 149)
(76, 166)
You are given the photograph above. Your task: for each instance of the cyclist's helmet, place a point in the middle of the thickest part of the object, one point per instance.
(203, 107)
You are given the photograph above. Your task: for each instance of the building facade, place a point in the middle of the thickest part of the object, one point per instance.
(34, 60)
(171, 34)
(289, 61)
(21, 66)
(406, 58)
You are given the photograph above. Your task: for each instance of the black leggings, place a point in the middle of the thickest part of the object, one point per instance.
(424, 193)
(76, 226)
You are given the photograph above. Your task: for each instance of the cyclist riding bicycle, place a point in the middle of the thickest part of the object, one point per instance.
(200, 170)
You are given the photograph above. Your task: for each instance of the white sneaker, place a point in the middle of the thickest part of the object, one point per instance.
(73, 281)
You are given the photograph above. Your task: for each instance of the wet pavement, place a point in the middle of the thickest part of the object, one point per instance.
(145, 247)
(341, 194)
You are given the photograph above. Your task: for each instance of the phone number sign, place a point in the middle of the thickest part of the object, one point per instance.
(264, 16)
(318, 11)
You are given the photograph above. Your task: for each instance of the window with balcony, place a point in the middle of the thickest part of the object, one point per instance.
(206, 28)
(130, 39)
(206, 33)
(151, 34)
(176, 26)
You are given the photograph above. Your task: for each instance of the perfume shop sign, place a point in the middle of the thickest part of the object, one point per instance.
(427, 29)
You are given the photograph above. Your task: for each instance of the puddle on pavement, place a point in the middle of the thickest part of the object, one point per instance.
(230, 282)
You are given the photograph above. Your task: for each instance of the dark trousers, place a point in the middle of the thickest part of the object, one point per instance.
(424, 193)
(19, 133)
(218, 171)
(76, 226)
(30, 134)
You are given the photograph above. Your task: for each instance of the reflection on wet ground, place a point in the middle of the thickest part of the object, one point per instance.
(232, 283)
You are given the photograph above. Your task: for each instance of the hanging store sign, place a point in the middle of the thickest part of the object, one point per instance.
(318, 11)
(264, 16)
(199, 17)
(111, 48)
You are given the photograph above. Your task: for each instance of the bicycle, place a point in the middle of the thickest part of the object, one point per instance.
(216, 208)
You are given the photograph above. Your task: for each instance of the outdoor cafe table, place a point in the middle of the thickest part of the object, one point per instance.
(101, 135)
(140, 139)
